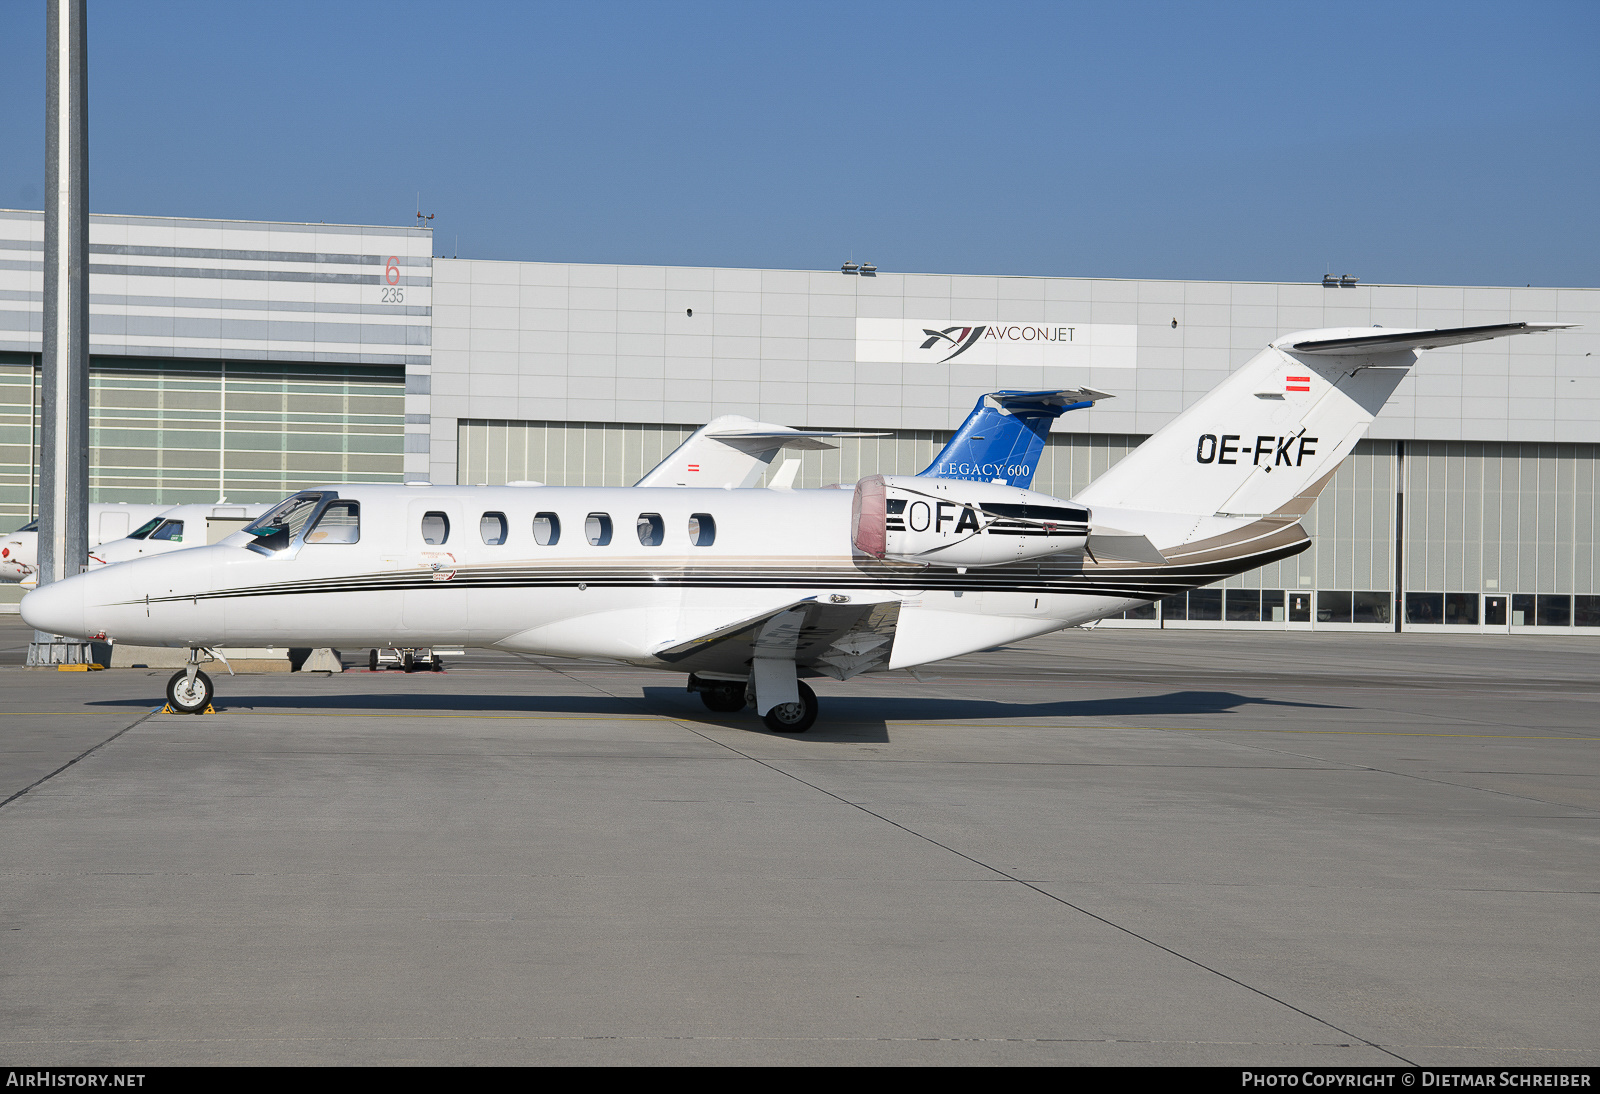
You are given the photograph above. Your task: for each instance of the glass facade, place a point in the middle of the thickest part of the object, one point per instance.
(177, 431)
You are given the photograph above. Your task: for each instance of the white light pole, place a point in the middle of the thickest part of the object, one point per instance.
(64, 421)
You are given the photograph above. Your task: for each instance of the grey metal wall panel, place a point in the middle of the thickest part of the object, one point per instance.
(1515, 517)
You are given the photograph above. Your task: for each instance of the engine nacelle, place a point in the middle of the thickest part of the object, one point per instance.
(949, 522)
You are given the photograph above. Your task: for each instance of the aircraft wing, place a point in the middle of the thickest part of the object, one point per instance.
(827, 639)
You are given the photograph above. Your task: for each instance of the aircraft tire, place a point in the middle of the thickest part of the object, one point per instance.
(793, 717)
(186, 698)
(727, 700)
(372, 661)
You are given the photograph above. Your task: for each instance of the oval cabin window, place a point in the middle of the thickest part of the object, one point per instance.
(597, 529)
(652, 530)
(546, 529)
(435, 528)
(702, 529)
(493, 528)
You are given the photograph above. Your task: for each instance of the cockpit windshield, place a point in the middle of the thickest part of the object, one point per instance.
(277, 529)
(145, 529)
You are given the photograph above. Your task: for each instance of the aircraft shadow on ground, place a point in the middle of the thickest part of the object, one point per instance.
(845, 718)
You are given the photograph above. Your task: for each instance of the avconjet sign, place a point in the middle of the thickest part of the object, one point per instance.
(940, 341)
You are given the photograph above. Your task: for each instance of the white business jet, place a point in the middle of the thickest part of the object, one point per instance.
(751, 591)
(108, 521)
(177, 528)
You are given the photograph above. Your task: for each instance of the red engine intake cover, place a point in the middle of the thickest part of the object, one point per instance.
(868, 511)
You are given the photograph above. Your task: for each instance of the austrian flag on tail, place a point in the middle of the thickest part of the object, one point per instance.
(1297, 383)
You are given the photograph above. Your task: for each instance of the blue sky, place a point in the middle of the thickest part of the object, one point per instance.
(1423, 142)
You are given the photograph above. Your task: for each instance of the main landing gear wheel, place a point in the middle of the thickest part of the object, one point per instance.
(188, 696)
(726, 700)
(793, 717)
(372, 661)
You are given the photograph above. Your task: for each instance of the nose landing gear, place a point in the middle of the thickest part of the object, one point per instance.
(190, 691)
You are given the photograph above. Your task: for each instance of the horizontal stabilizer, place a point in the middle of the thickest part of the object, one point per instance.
(1394, 341)
(770, 440)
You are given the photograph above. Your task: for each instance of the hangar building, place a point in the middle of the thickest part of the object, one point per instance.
(246, 359)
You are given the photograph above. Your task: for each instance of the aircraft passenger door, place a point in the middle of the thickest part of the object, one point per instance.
(112, 526)
(435, 611)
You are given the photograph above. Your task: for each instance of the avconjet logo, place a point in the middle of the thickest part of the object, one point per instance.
(962, 341)
(963, 338)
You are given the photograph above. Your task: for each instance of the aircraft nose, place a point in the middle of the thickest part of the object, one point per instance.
(56, 608)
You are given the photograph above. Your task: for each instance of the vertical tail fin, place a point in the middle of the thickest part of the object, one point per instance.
(733, 451)
(1282, 422)
(1001, 439)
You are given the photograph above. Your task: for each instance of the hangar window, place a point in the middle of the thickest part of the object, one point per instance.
(1241, 605)
(435, 528)
(1333, 606)
(172, 530)
(702, 529)
(493, 528)
(1522, 609)
(1461, 608)
(1554, 611)
(340, 523)
(546, 529)
(1424, 608)
(597, 529)
(652, 529)
(1371, 607)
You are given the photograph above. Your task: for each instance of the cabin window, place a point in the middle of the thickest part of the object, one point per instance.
(546, 529)
(652, 530)
(340, 523)
(493, 528)
(172, 531)
(702, 529)
(435, 528)
(597, 529)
